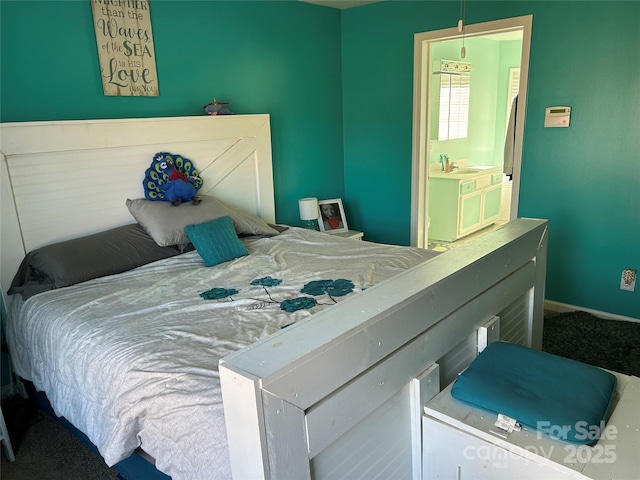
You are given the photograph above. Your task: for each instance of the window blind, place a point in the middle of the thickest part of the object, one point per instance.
(453, 117)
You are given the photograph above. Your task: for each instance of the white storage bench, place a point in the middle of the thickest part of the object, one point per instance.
(462, 442)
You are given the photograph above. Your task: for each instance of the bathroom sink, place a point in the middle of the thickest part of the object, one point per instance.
(466, 171)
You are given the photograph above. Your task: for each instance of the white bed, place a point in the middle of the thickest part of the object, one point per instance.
(325, 397)
(158, 336)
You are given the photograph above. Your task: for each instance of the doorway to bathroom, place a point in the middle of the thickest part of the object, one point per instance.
(465, 122)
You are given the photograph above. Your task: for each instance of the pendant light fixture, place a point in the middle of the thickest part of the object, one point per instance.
(461, 25)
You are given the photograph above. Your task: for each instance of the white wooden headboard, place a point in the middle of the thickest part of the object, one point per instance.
(101, 163)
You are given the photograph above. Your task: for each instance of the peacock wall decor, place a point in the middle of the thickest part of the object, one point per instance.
(172, 178)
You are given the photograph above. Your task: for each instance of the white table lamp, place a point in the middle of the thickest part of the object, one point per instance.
(309, 211)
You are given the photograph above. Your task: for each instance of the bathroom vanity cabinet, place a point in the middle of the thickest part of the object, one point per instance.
(463, 202)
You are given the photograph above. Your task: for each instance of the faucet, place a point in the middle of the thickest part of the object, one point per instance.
(453, 166)
(443, 159)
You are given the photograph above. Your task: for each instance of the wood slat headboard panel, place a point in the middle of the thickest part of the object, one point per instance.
(62, 180)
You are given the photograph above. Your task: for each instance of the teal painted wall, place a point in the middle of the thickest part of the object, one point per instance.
(326, 75)
(585, 179)
(281, 58)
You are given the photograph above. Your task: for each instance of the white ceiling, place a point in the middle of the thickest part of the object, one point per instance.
(340, 3)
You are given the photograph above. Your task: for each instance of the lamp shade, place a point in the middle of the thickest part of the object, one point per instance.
(308, 208)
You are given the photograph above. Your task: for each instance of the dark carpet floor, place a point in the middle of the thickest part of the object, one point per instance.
(46, 451)
(610, 344)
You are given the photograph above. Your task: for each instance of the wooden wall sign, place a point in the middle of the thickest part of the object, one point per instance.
(125, 47)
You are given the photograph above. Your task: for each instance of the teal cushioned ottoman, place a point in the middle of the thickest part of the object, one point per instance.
(563, 398)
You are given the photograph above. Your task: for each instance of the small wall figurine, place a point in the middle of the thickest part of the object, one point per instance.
(217, 108)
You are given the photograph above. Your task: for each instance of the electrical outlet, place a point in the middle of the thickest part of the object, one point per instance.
(628, 280)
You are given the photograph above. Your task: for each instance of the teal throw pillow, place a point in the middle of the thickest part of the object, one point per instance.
(216, 241)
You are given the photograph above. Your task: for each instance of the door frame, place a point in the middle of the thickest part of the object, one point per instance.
(421, 118)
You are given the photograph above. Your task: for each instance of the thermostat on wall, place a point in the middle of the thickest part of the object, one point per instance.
(557, 116)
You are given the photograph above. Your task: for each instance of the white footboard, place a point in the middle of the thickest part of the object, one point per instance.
(339, 395)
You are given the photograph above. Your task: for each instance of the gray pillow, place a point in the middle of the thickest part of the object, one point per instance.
(165, 222)
(73, 261)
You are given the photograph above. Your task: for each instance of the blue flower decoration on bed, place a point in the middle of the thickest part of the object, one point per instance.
(218, 293)
(333, 288)
(294, 304)
(267, 282)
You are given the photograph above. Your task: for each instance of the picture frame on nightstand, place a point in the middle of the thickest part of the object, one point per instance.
(331, 217)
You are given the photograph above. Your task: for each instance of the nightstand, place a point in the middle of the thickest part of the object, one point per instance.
(352, 234)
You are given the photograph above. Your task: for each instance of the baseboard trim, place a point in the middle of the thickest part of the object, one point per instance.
(565, 307)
